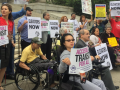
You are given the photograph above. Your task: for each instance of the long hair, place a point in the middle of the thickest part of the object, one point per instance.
(62, 41)
(93, 31)
(81, 18)
(10, 17)
(62, 19)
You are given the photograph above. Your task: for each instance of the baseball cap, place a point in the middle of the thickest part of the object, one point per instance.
(28, 8)
(4, 3)
(36, 40)
(117, 16)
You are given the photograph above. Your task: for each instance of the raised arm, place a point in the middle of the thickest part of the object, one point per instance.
(82, 25)
(110, 14)
(91, 18)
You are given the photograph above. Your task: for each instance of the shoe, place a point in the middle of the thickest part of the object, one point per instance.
(10, 77)
(1, 88)
(117, 87)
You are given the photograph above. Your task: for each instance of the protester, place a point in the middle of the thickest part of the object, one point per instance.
(6, 19)
(115, 24)
(83, 22)
(10, 68)
(73, 16)
(63, 19)
(82, 42)
(95, 37)
(47, 46)
(67, 42)
(23, 28)
(100, 24)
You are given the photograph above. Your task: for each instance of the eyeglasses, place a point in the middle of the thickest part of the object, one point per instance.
(70, 40)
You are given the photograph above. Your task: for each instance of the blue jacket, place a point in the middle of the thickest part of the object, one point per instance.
(15, 16)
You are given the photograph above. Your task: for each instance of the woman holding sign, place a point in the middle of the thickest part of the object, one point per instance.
(6, 19)
(63, 19)
(67, 42)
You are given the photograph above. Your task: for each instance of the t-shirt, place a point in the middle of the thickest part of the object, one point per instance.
(10, 24)
(85, 26)
(115, 27)
(28, 55)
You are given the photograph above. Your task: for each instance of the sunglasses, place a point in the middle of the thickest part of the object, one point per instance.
(70, 40)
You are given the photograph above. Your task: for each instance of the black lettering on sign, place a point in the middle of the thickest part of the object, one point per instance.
(100, 51)
(54, 28)
(3, 32)
(34, 26)
(44, 24)
(34, 21)
(53, 23)
(115, 8)
(105, 56)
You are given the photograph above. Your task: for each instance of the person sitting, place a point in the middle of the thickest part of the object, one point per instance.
(67, 42)
(82, 42)
(29, 56)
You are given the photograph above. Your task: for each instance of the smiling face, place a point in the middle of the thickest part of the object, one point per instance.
(65, 19)
(108, 30)
(5, 11)
(96, 32)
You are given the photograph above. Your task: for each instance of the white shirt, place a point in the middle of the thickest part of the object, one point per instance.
(85, 26)
(94, 39)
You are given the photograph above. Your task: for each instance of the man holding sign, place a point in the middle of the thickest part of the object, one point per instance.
(23, 28)
(84, 38)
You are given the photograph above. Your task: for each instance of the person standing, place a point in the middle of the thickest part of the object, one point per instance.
(6, 19)
(47, 46)
(23, 28)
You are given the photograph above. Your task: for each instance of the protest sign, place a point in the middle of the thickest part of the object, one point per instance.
(100, 11)
(34, 27)
(104, 55)
(3, 35)
(115, 8)
(74, 35)
(112, 41)
(86, 6)
(80, 60)
(20, 2)
(69, 26)
(54, 28)
(45, 25)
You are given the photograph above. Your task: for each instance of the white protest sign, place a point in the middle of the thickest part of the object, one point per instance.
(75, 33)
(45, 25)
(86, 6)
(69, 26)
(80, 60)
(20, 2)
(54, 28)
(104, 55)
(34, 27)
(3, 35)
(115, 8)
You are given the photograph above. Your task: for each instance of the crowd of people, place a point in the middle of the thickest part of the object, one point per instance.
(97, 35)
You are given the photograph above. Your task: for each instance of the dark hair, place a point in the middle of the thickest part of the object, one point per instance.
(81, 18)
(62, 41)
(44, 14)
(72, 14)
(93, 30)
(10, 17)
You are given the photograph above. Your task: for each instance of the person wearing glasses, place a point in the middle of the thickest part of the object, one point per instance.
(67, 42)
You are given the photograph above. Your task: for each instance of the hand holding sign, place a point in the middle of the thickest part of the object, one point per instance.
(25, 22)
(67, 61)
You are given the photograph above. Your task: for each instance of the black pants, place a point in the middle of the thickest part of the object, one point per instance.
(46, 48)
(24, 44)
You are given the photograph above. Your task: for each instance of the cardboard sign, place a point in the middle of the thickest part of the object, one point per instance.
(20, 2)
(54, 28)
(112, 41)
(3, 35)
(86, 6)
(69, 26)
(115, 8)
(80, 60)
(100, 11)
(34, 27)
(102, 51)
(45, 25)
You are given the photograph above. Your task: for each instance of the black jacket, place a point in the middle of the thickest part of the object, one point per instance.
(81, 44)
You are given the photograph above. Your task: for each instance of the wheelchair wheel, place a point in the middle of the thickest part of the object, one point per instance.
(27, 81)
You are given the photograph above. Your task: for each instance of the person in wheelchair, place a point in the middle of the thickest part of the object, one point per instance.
(30, 57)
(82, 42)
(67, 42)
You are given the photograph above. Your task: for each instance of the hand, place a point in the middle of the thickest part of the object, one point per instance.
(109, 10)
(85, 21)
(106, 13)
(92, 58)
(32, 71)
(27, 0)
(118, 45)
(91, 13)
(97, 57)
(25, 22)
(66, 61)
(43, 57)
(41, 24)
(77, 29)
(95, 20)
(109, 45)
(9, 36)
